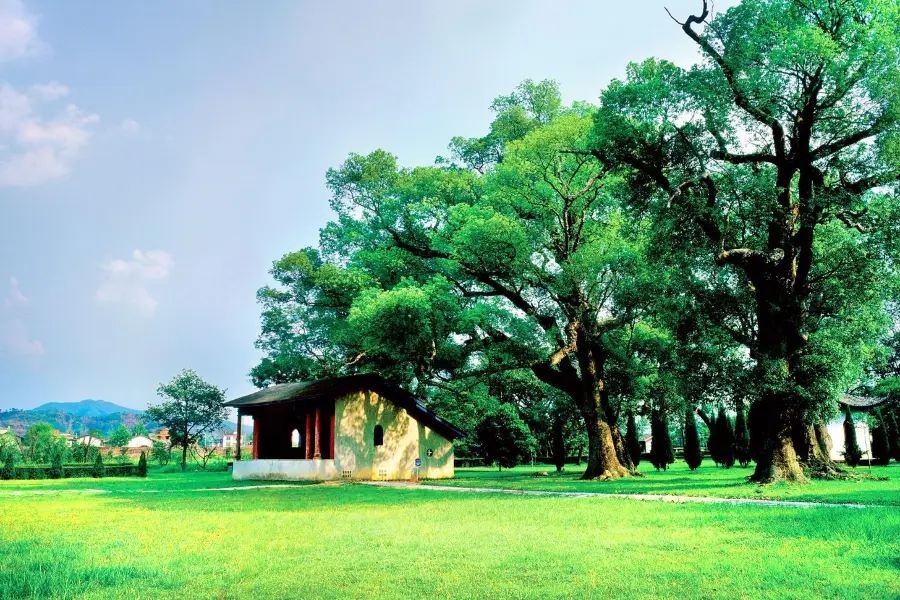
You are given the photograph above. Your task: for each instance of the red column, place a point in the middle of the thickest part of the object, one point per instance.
(331, 438)
(318, 453)
(255, 441)
(308, 435)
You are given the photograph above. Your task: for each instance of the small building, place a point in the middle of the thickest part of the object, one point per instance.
(89, 440)
(162, 436)
(229, 440)
(140, 441)
(355, 427)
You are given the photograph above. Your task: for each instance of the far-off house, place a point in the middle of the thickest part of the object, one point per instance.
(355, 427)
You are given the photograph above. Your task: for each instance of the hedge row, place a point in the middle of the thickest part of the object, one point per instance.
(75, 470)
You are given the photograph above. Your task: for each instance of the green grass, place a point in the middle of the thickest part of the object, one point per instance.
(708, 480)
(355, 541)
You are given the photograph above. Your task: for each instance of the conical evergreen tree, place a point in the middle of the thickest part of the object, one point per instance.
(742, 439)
(99, 469)
(661, 453)
(693, 456)
(881, 452)
(725, 440)
(632, 445)
(852, 452)
(142, 465)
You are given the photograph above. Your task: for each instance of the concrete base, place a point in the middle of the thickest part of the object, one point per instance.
(286, 470)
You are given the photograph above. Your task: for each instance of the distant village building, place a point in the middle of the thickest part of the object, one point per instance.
(89, 440)
(140, 441)
(229, 440)
(356, 427)
(162, 436)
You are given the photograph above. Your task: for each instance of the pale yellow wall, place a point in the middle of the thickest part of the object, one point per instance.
(405, 439)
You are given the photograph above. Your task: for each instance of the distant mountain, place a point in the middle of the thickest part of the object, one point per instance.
(87, 415)
(87, 408)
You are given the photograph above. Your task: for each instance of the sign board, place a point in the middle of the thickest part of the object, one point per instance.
(418, 462)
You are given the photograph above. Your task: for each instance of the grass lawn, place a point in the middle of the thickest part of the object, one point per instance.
(708, 480)
(355, 541)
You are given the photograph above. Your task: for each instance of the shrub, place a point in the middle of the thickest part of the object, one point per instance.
(504, 438)
(852, 452)
(693, 456)
(99, 469)
(161, 453)
(56, 468)
(9, 467)
(142, 465)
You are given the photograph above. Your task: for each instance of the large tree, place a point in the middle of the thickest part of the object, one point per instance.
(191, 408)
(512, 255)
(786, 133)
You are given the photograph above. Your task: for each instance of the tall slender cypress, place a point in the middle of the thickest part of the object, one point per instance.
(852, 452)
(881, 451)
(725, 440)
(712, 443)
(742, 439)
(661, 453)
(632, 445)
(693, 456)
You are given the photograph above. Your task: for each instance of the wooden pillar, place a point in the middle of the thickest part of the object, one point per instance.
(237, 452)
(255, 441)
(331, 438)
(318, 453)
(308, 439)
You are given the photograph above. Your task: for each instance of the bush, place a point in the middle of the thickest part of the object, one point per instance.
(504, 438)
(142, 465)
(9, 467)
(99, 469)
(56, 468)
(693, 456)
(161, 453)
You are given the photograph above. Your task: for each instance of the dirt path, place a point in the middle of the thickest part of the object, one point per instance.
(476, 490)
(645, 497)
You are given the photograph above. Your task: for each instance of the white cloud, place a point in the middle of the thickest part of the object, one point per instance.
(130, 126)
(15, 297)
(14, 335)
(128, 280)
(18, 31)
(15, 338)
(32, 149)
(49, 91)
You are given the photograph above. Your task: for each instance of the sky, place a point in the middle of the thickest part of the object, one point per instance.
(156, 157)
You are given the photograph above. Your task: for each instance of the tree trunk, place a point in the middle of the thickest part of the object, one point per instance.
(559, 444)
(603, 463)
(184, 458)
(772, 444)
(621, 450)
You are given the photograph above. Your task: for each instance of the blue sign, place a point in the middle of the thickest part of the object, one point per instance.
(418, 462)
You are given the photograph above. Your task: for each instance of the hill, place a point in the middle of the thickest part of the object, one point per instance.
(85, 416)
(87, 408)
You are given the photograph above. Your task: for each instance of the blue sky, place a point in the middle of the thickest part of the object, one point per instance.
(156, 157)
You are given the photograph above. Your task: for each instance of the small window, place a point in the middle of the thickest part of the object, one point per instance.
(379, 435)
(295, 439)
